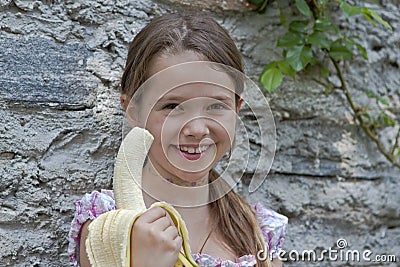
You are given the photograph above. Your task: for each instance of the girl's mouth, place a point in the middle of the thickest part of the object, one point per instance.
(192, 152)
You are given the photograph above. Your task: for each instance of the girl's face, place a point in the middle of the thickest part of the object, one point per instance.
(193, 124)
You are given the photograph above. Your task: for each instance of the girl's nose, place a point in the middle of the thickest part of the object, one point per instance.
(197, 128)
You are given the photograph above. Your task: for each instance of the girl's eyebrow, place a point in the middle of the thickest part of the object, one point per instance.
(220, 97)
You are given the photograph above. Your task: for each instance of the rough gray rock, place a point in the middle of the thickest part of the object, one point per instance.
(60, 65)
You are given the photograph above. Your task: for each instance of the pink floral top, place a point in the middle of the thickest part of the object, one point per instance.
(272, 224)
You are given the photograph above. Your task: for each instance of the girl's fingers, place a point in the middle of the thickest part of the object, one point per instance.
(162, 224)
(157, 218)
(171, 232)
(178, 242)
(152, 215)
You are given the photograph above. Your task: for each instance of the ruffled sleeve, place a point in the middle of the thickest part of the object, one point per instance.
(88, 208)
(273, 227)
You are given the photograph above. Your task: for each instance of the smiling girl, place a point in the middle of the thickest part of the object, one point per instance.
(193, 125)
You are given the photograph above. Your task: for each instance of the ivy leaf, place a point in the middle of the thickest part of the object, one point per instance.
(322, 25)
(372, 94)
(369, 14)
(367, 119)
(300, 26)
(271, 79)
(285, 67)
(299, 56)
(362, 50)
(303, 8)
(382, 100)
(290, 39)
(263, 7)
(319, 39)
(384, 120)
(282, 16)
(349, 43)
(398, 152)
(349, 10)
(328, 89)
(340, 52)
(257, 2)
(388, 121)
(324, 72)
(369, 18)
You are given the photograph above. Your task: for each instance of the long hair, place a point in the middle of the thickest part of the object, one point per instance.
(172, 34)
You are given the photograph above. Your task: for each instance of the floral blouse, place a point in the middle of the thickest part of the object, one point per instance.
(272, 224)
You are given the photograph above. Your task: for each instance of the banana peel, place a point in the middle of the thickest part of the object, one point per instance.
(108, 241)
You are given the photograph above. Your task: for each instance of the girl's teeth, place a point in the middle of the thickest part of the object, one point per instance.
(192, 150)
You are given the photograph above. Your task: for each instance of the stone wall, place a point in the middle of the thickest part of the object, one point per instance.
(60, 64)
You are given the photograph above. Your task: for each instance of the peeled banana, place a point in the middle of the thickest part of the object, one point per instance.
(108, 241)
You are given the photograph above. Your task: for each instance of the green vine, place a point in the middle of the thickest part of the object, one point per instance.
(315, 45)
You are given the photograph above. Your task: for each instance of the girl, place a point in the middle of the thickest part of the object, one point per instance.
(225, 231)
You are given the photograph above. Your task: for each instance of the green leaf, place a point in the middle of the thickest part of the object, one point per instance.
(367, 118)
(319, 39)
(271, 79)
(313, 60)
(322, 25)
(349, 43)
(372, 94)
(378, 18)
(398, 152)
(293, 57)
(382, 100)
(328, 89)
(369, 18)
(299, 56)
(282, 16)
(306, 55)
(340, 52)
(388, 121)
(285, 67)
(290, 39)
(271, 65)
(303, 8)
(257, 2)
(324, 72)
(300, 26)
(362, 50)
(384, 120)
(263, 7)
(349, 10)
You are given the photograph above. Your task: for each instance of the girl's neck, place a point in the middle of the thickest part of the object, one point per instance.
(180, 182)
(173, 190)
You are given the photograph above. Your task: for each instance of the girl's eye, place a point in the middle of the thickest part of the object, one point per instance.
(171, 106)
(217, 106)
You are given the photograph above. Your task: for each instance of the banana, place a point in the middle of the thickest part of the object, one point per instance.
(108, 241)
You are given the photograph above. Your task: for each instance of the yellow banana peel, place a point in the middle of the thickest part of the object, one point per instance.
(108, 241)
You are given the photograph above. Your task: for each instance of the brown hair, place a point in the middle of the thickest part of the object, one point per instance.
(172, 34)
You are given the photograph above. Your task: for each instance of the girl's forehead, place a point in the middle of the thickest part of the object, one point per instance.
(166, 60)
(198, 90)
(188, 79)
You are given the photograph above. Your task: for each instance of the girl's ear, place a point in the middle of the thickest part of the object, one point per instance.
(239, 105)
(124, 102)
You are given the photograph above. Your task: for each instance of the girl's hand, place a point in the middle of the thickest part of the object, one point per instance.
(154, 240)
